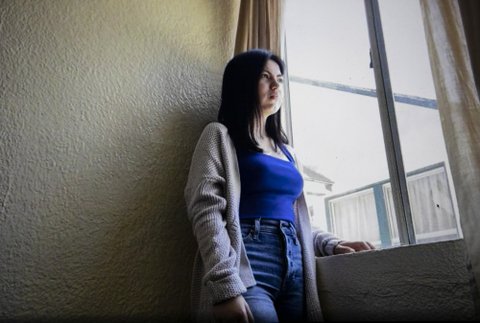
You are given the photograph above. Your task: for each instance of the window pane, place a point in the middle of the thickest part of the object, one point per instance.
(429, 180)
(362, 226)
(335, 118)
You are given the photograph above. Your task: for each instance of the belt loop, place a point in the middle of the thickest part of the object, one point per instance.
(257, 228)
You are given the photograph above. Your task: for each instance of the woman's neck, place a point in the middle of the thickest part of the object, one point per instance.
(260, 131)
(264, 141)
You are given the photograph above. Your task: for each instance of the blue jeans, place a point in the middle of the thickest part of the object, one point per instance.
(275, 257)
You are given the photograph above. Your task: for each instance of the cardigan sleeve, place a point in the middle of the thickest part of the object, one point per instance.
(324, 242)
(206, 207)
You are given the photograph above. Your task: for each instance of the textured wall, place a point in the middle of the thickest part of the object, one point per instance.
(428, 282)
(101, 102)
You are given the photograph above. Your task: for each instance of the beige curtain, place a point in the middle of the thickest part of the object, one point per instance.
(454, 71)
(260, 25)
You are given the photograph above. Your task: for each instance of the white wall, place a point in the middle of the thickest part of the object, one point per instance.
(410, 283)
(101, 103)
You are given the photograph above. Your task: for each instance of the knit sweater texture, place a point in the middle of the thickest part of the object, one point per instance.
(221, 268)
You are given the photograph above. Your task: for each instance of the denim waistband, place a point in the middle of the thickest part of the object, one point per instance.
(266, 221)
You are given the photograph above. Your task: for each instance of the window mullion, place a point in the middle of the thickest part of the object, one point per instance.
(389, 124)
(287, 106)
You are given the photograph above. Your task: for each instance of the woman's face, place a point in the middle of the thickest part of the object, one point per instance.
(270, 89)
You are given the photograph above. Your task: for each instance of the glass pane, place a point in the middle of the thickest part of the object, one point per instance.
(337, 132)
(429, 181)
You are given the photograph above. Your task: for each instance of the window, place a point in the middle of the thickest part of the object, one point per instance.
(350, 141)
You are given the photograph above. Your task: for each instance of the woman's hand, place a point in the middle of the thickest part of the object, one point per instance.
(233, 310)
(352, 246)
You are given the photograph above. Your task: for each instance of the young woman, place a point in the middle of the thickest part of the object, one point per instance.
(245, 200)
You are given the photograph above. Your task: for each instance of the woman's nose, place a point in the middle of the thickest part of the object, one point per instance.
(274, 84)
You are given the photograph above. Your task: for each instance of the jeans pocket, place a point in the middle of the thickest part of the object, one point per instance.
(247, 232)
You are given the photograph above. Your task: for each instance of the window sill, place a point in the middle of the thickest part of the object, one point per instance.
(417, 282)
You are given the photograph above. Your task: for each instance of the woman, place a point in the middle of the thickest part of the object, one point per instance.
(244, 194)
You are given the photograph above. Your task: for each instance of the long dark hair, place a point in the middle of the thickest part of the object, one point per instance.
(240, 107)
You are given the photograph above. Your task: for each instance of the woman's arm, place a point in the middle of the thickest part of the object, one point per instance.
(206, 207)
(326, 243)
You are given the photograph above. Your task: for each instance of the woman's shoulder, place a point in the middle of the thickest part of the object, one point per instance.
(216, 128)
(214, 134)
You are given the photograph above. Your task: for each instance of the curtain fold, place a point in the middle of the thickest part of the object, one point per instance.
(260, 25)
(454, 72)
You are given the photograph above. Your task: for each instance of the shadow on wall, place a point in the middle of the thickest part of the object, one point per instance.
(137, 243)
(147, 252)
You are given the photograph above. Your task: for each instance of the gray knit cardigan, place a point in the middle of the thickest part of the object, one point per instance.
(221, 267)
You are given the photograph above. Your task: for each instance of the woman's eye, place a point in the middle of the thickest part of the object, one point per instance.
(265, 75)
(280, 80)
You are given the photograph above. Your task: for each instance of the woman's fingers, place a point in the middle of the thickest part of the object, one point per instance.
(353, 246)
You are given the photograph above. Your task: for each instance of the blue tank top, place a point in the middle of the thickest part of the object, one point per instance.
(269, 185)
